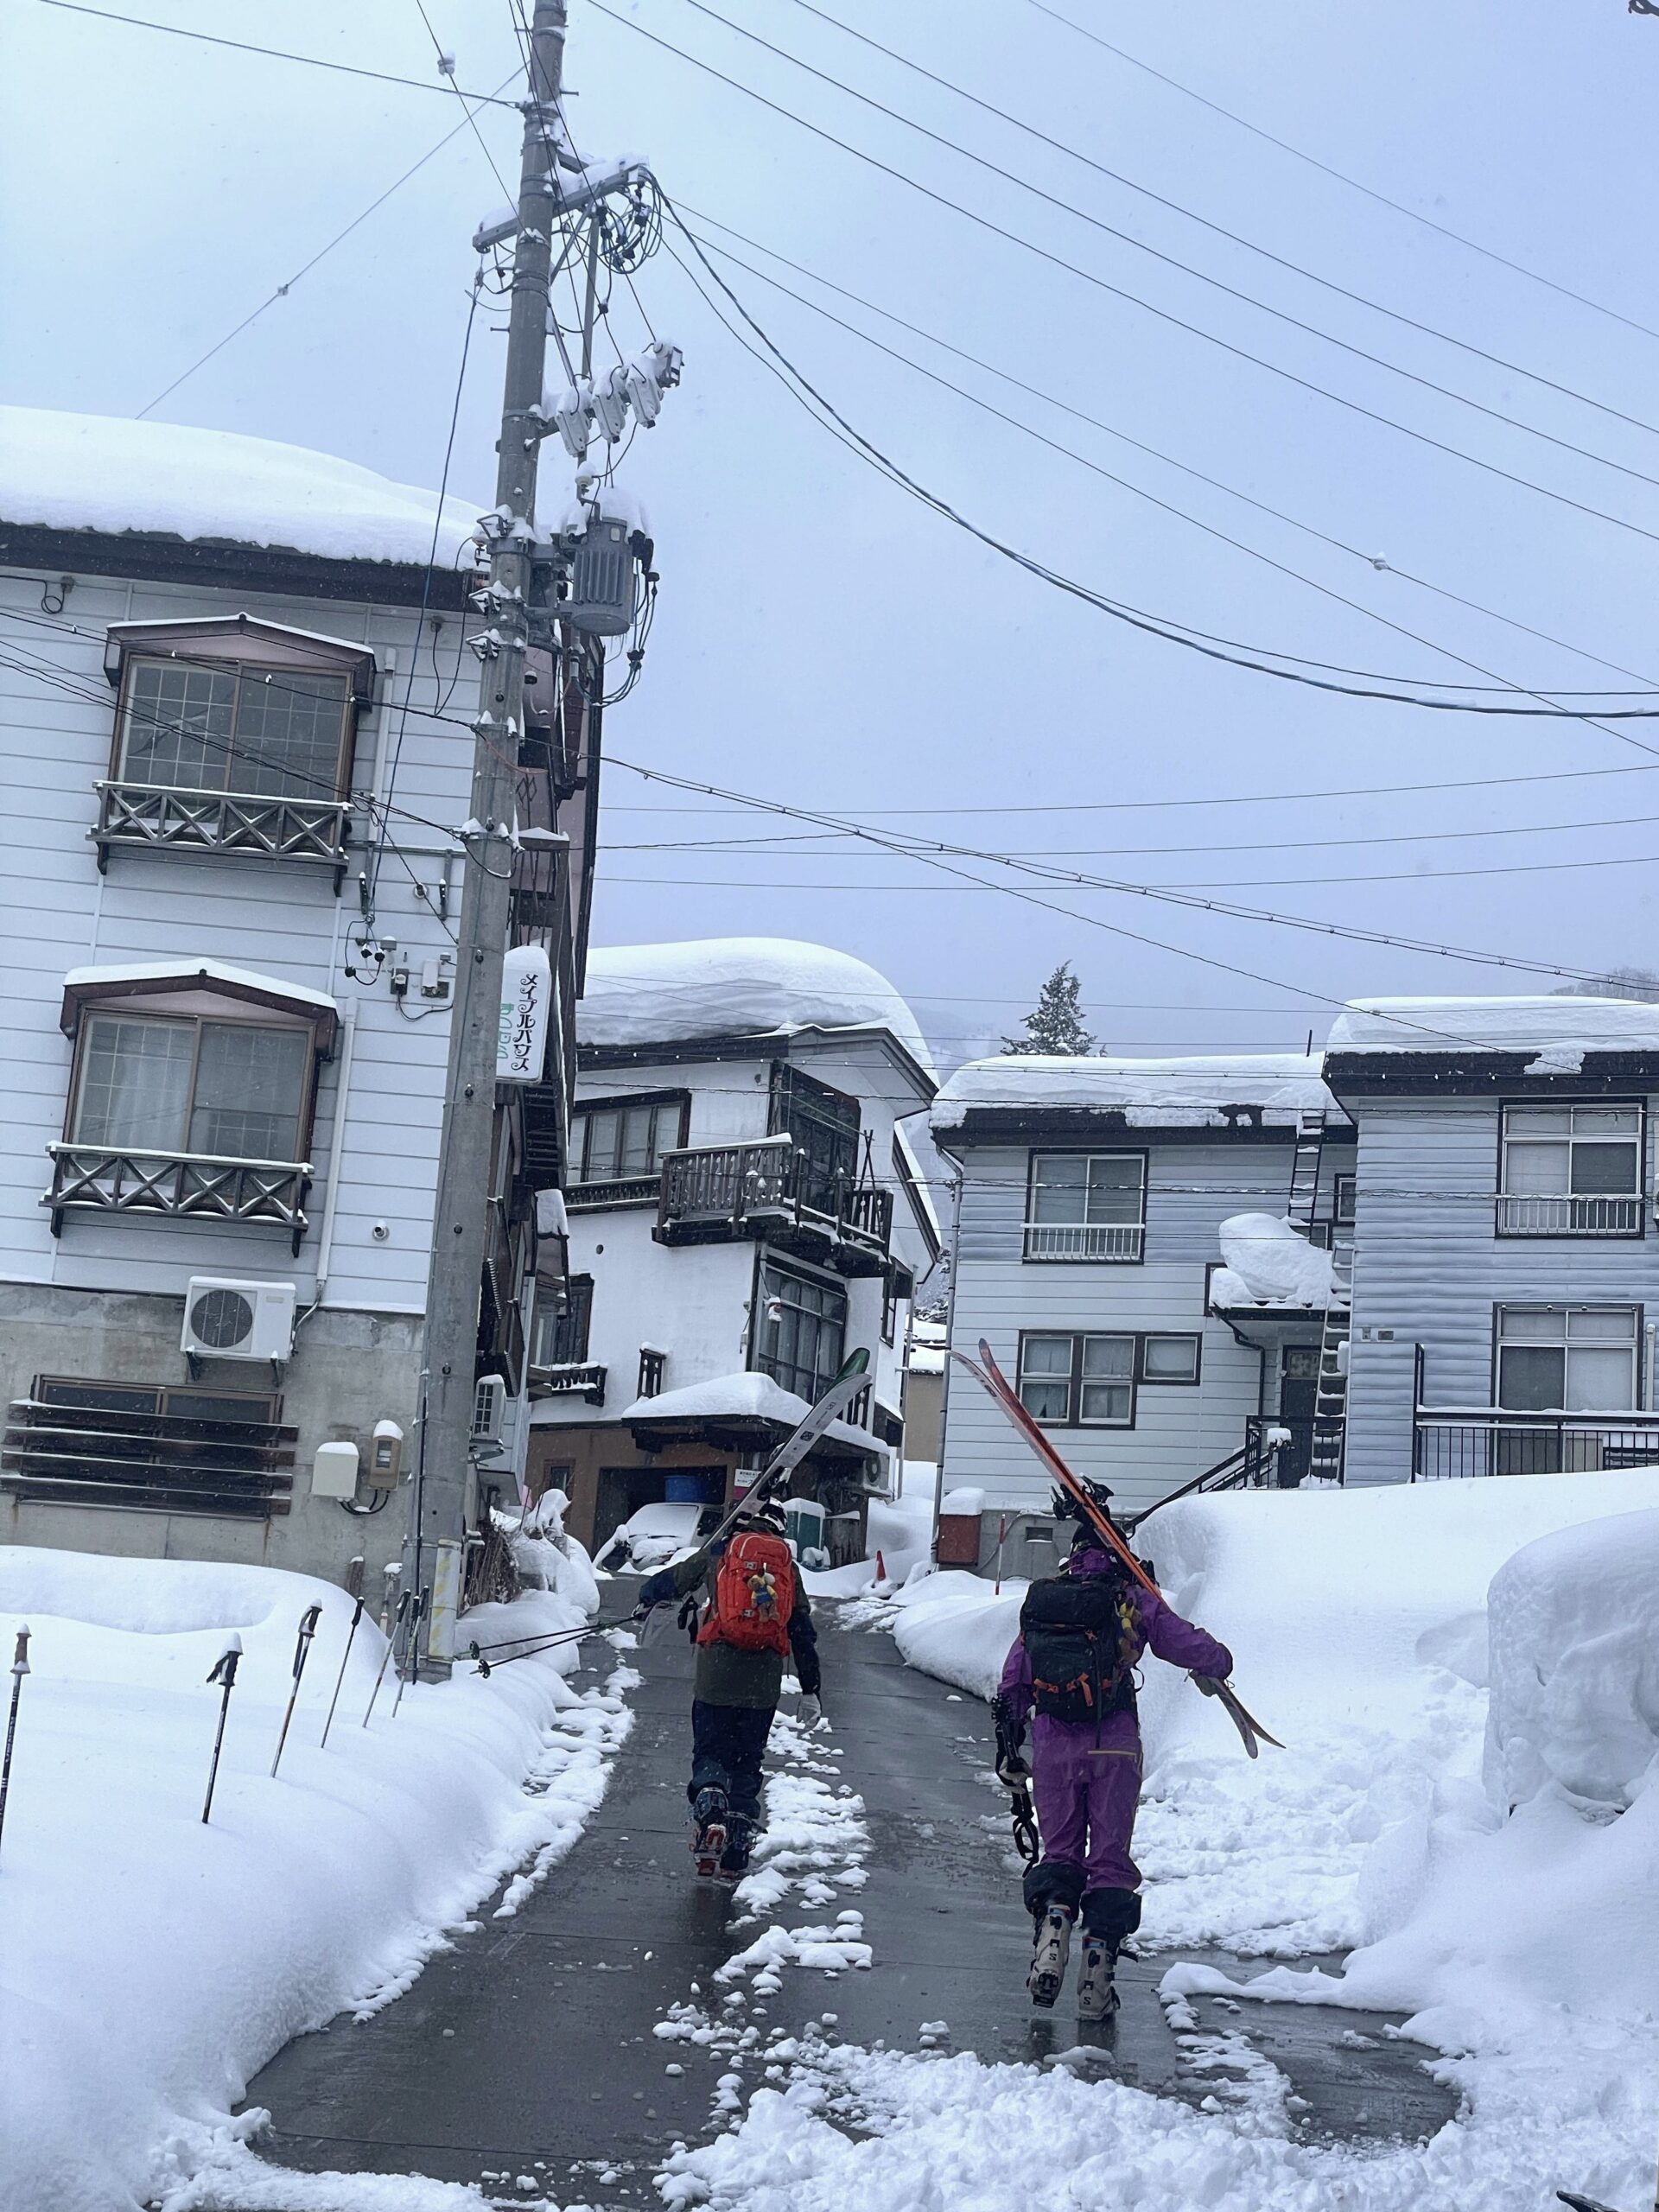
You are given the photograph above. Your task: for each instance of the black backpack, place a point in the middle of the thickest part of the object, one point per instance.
(1074, 1633)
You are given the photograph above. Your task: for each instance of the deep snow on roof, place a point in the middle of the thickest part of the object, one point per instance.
(1553, 1028)
(1153, 1094)
(736, 987)
(104, 472)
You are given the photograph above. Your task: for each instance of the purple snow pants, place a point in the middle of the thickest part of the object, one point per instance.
(1087, 1794)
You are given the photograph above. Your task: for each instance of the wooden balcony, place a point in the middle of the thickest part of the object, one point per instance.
(568, 1378)
(161, 817)
(192, 1185)
(160, 1463)
(714, 1193)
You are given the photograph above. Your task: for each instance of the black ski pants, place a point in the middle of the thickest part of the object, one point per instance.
(728, 1743)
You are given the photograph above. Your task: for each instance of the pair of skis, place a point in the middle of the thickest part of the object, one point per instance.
(985, 1370)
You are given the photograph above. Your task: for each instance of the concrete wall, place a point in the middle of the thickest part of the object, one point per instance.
(349, 1370)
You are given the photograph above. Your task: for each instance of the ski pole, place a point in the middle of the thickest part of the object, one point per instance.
(224, 1672)
(340, 1683)
(416, 1614)
(404, 1597)
(308, 1620)
(1025, 1825)
(19, 1668)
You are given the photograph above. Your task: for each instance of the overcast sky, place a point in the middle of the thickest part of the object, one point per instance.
(824, 640)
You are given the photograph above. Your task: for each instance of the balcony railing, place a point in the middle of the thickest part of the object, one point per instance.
(1569, 1217)
(769, 1189)
(220, 822)
(580, 1378)
(196, 1184)
(65, 1455)
(1453, 1444)
(619, 1191)
(1084, 1240)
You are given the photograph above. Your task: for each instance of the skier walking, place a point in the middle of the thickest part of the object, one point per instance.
(1082, 1633)
(754, 1615)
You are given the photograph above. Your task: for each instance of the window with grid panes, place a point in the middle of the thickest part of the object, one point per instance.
(621, 1141)
(1571, 1170)
(1085, 1206)
(802, 1329)
(230, 1090)
(259, 732)
(1078, 1381)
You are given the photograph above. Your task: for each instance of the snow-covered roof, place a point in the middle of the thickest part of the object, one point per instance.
(1268, 1263)
(736, 987)
(195, 970)
(1150, 1094)
(110, 474)
(1559, 1030)
(748, 1396)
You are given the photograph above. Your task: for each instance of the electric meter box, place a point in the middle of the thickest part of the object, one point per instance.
(334, 1471)
(604, 589)
(385, 1455)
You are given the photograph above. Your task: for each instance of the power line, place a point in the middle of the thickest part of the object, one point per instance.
(1176, 206)
(1412, 214)
(1233, 656)
(448, 72)
(1168, 896)
(274, 53)
(1139, 492)
(1118, 291)
(283, 290)
(1007, 377)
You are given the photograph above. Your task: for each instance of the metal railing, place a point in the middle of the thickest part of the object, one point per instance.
(121, 1179)
(1456, 1444)
(73, 1455)
(1275, 1455)
(1084, 1240)
(756, 1190)
(1569, 1217)
(278, 829)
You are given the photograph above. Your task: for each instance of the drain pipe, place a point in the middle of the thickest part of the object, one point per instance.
(336, 1152)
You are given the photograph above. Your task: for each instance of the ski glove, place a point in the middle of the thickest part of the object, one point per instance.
(809, 1712)
(1012, 1771)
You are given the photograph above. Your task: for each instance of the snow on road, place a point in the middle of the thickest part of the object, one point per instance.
(151, 1964)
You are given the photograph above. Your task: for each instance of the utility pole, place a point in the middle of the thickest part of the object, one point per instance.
(442, 1503)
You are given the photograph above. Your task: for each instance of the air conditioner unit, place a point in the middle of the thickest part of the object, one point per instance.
(227, 1319)
(489, 1408)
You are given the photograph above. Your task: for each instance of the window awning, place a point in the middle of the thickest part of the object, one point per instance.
(246, 639)
(88, 986)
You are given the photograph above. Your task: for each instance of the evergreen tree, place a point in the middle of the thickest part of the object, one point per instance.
(1056, 1023)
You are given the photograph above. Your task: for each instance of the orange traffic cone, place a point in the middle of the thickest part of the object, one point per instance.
(880, 1568)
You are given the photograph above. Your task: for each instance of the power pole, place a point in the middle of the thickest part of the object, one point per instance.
(442, 1502)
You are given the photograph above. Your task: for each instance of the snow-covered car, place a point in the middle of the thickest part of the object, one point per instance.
(651, 1537)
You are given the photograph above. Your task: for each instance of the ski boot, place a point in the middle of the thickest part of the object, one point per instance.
(710, 1817)
(1097, 1999)
(740, 1842)
(1053, 1942)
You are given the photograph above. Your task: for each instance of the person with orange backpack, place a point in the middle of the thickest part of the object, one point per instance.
(754, 1616)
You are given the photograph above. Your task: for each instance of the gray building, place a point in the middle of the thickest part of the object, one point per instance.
(1506, 1271)
(1099, 1200)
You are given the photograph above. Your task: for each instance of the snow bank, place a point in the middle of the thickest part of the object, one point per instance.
(1268, 1263)
(104, 472)
(1192, 1093)
(736, 987)
(953, 1627)
(151, 1964)
(1552, 1027)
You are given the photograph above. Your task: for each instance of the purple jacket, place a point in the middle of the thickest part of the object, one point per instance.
(1161, 1631)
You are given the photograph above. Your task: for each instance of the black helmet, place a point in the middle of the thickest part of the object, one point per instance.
(1067, 1509)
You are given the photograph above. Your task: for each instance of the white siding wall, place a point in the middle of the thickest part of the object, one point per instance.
(1429, 1267)
(57, 913)
(1179, 1431)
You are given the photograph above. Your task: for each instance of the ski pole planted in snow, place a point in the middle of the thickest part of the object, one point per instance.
(308, 1620)
(340, 1682)
(404, 1597)
(416, 1614)
(19, 1668)
(224, 1674)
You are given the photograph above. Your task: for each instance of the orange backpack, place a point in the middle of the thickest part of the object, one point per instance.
(754, 1594)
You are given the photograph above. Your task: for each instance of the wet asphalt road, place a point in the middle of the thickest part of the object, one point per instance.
(528, 2048)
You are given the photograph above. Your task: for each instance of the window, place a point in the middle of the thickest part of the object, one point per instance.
(1341, 1202)
(162, 1448)
(1169, 1359)
(822, 1125)
(267, 733)
(1567, 1358)
(800, 1330)
(889, 1311)
(623, 1140)
(1570, 1170)
(561, 1338)
(1072, 1382)
(652, 1365)
(228, 1090)
(1086, 1205)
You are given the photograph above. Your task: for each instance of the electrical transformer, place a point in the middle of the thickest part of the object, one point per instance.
(604, 582)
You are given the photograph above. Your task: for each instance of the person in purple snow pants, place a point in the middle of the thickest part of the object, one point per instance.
(1071, 1672)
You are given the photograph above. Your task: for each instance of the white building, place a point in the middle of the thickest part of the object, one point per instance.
(744, 1210)
(233, 705)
